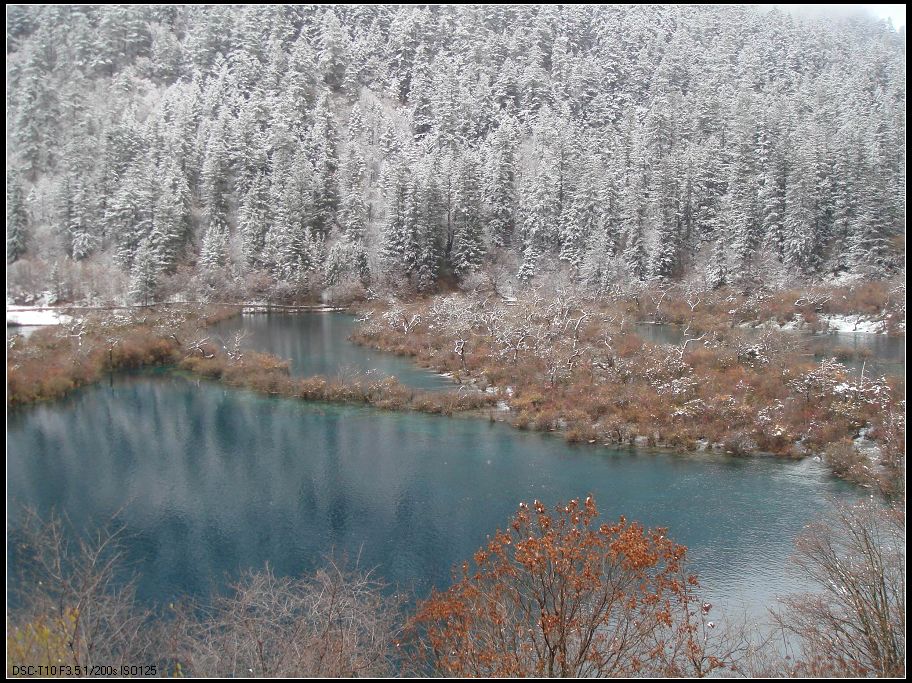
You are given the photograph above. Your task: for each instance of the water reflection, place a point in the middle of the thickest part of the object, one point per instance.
(212, 481)
(317, 344)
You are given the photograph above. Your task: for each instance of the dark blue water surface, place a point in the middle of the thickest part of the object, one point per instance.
(317, 344)
(210, 481)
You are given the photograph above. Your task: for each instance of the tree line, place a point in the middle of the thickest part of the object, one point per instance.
(290, 149)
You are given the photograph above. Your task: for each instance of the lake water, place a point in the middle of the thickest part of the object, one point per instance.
(210, 481)
(25, 330)
(317, 344)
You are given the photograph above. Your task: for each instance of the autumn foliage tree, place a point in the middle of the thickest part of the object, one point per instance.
(558, 594)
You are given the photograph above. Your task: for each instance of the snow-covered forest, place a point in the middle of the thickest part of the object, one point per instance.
(277, 151)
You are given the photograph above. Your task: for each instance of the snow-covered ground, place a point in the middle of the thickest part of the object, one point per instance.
(853, 323)
(33, 315)
(832, 323)
(256, 308)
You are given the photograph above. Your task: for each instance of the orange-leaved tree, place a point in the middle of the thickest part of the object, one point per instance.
(557, 594)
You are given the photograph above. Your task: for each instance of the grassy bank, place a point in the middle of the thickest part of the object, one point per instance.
(562, 364)
(55, 361)
(879, 304)
(267, 374)
(577, 366)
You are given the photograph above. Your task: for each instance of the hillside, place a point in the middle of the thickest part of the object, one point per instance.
(266, 152)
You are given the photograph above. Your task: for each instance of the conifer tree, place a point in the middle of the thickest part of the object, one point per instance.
(501, 187)
(171, 221)
(468, 244)
(214, 250)
(253, 222)
(353, 208)
(144, 274)
(16, 218)
(326, 165)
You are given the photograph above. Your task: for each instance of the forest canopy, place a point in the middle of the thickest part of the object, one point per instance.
(283, 150)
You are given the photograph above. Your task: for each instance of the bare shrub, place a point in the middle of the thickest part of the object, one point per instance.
(856, 624)
(73, 603)
(337, 622)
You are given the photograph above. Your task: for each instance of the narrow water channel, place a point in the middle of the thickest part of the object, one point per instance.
(317, 344)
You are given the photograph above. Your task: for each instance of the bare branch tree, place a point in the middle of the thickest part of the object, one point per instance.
(74, 605)
(856, 624)
(337, 622)
(233, 347)
(688, 340)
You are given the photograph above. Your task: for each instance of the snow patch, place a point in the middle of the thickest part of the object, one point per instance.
(255, 308)
(866, 446)
(845, 278)
(853, 323)
(33, 315)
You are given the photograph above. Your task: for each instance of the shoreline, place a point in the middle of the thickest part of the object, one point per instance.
(471, 394)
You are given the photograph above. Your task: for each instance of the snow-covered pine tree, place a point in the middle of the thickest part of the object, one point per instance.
(253, 222)
(353, 208)
(325, 160)
(500, 191)
(128, 217)
(214, 250)
(144, 274)
(468, 243)
(584, 213)
(399, 232)
(171, 222)
(215, 173)
(16, 217)
(801, 248)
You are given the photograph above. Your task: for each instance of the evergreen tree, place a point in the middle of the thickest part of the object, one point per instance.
(129, 215)
(501, 187)
(214, 251)
(541, 199)
(172, 216)
(326, 164)
(399, 234)
(334, 50)
(83, 239)
(528, 269)
(215, 182)
(353, 209)
(346, 260)
(736, 139)
(16, 218)
(253, 222)
(801, 249)
(869, 240)
(468, 244)
(144, 274)
(633, 219)
(583, 215)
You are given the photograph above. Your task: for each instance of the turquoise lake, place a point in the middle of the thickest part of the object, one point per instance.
(209, 481)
